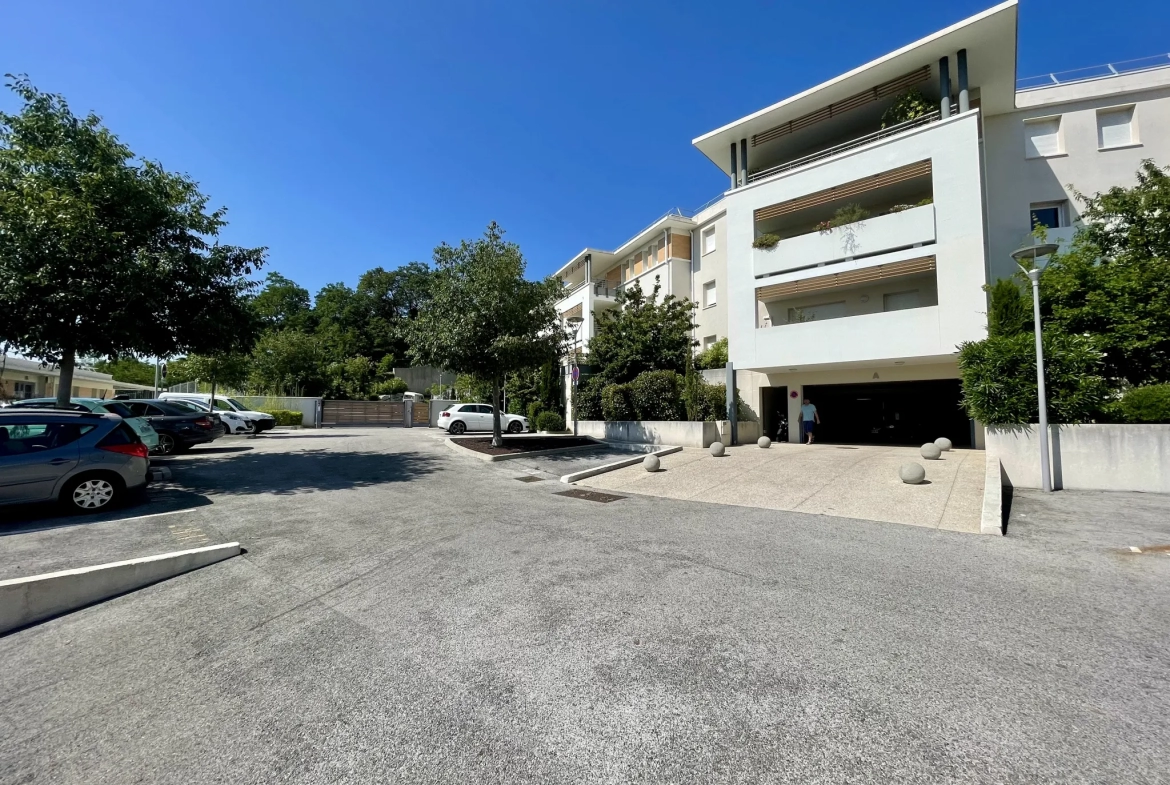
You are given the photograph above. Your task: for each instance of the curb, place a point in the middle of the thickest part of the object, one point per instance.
(609, 467)
(991, 521)
(454, 445)
(36, 598)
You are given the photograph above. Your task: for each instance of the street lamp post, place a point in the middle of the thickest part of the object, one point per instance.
(1035, 253)
(574, 372)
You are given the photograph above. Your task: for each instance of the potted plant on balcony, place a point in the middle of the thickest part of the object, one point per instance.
(848, 219)
(766, 241)
(910, 105)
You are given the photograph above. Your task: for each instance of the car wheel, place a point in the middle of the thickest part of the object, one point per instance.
(92, 493)
(457, 428)
(515, 427)
(166, 444)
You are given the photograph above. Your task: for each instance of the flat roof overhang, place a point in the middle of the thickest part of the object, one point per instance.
(604, 259)
(988, 37)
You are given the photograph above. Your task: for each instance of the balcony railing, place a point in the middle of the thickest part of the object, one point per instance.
(1093, 72)
(893, 130)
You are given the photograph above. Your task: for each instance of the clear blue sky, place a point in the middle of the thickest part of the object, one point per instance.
(357, 133)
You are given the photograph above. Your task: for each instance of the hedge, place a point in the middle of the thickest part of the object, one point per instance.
(285, 416)
(657, 395)
(616, 405)
(1150, 404)
(550, 421)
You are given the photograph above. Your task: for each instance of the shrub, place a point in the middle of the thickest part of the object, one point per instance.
(615, 403)
(1149, 404)
(588, 399)
(1010, 310)
(393, 386)
(534, 410)
(910, 105)
(766, 241)
(550, 421)
(285, 416)
(999, 379)
(657, 395)
(713, 357)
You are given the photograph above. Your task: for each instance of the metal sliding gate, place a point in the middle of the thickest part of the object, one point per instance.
(387, 414)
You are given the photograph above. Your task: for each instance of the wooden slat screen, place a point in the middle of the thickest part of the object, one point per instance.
(613, 276)
(780, 291)
(576, 310)
(852, 188)
(680, 246)
(385, 413)
(883, 90)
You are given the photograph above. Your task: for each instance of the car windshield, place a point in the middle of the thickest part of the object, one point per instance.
(115, 407)
(239, 407)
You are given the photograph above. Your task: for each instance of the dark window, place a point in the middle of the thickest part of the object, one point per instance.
(123, 434)
(36, 437)
(120, 409)
(1048, 217)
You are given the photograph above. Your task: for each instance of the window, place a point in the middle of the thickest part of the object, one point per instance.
(708, 294)
(814, 313)
(900, 301)
(1042, 137)
(37, 437)
(708, 341)
(1115, 128)
(708, 240)
(23, 390)
(1050, 215)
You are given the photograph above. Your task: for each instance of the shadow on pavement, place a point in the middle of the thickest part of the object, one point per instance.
(299, 472)
(21, 519)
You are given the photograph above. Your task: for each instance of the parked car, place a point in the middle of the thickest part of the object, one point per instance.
(233, 422)
(178, 429)
(261, 420)
(463, 417)
(139, 424)
(86, 460)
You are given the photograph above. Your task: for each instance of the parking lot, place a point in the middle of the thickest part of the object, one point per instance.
(407, 614)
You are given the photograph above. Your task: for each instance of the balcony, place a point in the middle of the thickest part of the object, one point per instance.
(905, 333)
(881, 234)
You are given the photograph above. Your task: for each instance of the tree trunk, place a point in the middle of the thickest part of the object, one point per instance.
(497, 437)
(65, 380)
(211, 403)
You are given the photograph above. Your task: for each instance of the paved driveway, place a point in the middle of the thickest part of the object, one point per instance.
(406, 614)
(851, 482)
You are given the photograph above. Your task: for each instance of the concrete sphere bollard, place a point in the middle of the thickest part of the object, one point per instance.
(651, 463)
(717, 449)
(912, 473)
(943, 443)
(931, 451)
(764, 442)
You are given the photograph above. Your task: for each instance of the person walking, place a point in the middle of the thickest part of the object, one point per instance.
(809, 420)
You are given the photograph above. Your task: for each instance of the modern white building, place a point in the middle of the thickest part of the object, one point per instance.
(847, 260)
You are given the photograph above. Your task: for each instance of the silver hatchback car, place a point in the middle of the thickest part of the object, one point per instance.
(86, 460)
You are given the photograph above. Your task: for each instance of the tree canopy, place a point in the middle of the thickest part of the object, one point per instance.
(484, 317)
(643, 333)
(105, 254)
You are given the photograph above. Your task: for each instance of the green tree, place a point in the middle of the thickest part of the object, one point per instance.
(287, 362)
(484, 317)
(1010, 309)
(713, 357)
(282, 304)
(642, 334)
(227, 368)
(127, 369)
(104, 254)
(1114, 282)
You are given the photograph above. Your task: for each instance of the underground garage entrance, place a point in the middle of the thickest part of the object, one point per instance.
(910, 413)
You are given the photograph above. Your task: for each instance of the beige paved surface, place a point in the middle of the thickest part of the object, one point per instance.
(851, 482)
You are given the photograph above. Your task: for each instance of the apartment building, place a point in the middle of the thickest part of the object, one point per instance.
(846, 261)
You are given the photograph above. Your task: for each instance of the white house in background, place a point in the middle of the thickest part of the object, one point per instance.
(21, 378)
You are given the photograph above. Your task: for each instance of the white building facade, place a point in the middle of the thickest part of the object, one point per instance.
(846, 263)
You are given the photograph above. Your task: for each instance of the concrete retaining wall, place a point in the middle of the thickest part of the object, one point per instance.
(1086, 457)
(309, 407)
(25, 601)
(681, 434)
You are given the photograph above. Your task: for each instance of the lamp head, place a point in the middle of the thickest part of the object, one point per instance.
(575, 321)
(1037, 257)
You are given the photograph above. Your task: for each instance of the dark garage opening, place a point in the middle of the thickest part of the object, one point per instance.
(891, 412)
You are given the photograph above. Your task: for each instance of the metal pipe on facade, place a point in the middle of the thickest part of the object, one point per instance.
(944, 87)
(734, 167)
(964, 94)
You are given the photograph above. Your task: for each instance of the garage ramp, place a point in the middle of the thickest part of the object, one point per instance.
(846, 481)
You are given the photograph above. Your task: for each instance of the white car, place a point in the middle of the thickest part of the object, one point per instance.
(234, 423)
(259, 420)
(464, 417)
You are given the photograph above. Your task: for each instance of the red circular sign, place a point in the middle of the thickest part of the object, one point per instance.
(794, 394)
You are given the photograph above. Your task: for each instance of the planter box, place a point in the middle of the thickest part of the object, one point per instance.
(679, 434)
(1086, 457)
(873, 235)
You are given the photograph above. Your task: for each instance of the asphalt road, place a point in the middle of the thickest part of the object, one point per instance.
(406, 614)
